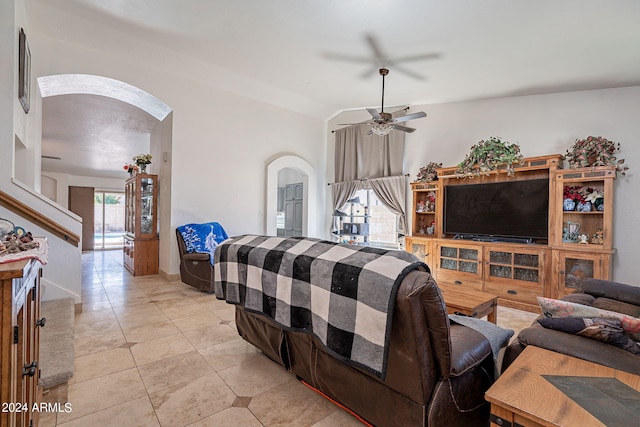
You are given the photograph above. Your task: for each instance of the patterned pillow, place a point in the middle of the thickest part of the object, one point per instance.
(604, 330)
(558, 308)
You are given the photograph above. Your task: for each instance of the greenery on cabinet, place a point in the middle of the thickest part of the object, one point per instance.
(428, 173)
(488, 155)
(595, 151)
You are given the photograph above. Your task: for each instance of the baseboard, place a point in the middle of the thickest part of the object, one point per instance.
(169, 277)
(50, 290)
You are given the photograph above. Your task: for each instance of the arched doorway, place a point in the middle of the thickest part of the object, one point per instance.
(118, 98)
(310, 199)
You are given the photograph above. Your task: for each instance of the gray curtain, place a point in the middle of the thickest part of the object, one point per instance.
(361, 156)
(392, 192)
(342, 191)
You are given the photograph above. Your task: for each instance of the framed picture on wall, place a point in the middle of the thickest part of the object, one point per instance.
(24, 72)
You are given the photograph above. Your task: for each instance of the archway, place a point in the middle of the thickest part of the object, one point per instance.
(309, 179)
(160, 134)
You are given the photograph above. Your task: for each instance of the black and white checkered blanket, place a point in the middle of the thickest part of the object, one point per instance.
(343, 294)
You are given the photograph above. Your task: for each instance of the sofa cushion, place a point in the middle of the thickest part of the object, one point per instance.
(577, 346)
(580, 298)
(558, 308)
(617, 306)
(604, 330)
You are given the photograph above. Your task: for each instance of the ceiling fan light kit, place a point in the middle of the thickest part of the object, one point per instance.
(381, 129)
(382, 123)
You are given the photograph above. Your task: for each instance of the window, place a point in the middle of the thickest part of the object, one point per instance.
(383, 224)
(109, 220)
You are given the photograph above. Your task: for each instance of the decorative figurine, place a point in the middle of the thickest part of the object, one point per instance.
(571, 232)
(584, 239)
(598, 237)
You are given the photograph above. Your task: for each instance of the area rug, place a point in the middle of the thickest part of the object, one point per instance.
(56, 342)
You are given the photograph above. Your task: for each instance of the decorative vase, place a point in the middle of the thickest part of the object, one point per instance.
(143, 167)
(599, 204)
(584, 207)
(568, 204)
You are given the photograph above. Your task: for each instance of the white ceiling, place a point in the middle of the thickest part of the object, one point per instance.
(310, 50)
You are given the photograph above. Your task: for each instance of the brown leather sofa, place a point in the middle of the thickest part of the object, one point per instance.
(602, 294)
(195, 268)
(437, 372)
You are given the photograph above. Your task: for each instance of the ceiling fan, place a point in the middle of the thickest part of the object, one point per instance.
(383, 123)
(379, 58)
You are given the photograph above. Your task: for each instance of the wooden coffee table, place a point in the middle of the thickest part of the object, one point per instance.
(584, 394)
(469, 302)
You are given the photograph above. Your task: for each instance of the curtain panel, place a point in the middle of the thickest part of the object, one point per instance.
(360, 156)
(392, 192)
(342, 191)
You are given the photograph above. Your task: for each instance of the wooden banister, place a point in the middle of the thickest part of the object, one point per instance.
(38, 218)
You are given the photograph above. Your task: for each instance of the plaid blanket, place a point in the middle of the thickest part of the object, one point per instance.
(343, 294)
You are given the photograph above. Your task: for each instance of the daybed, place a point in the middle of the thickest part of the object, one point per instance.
(434, 373)
(600, 294)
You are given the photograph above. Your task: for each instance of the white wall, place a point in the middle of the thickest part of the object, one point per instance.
(64, 181)
(222, 142)
(61, 276)
(541, 124)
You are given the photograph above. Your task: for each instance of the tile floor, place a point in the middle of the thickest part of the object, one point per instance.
(149, 352)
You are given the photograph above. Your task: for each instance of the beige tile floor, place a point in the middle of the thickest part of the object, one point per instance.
(149, 352)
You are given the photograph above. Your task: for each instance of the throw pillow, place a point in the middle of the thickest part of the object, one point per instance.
(604, 330)
(558, 308)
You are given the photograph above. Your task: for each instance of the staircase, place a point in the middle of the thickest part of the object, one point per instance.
(56, 342)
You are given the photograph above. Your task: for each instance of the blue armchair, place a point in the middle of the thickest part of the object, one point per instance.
(196, 245)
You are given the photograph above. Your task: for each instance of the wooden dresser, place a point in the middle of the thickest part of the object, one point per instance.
(19, 342)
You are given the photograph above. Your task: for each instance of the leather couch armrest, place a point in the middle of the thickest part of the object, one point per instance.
(196, 256)
(580, 347)
(469, 349)
(613, 290)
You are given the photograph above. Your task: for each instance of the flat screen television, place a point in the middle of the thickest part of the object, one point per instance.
(498, 210)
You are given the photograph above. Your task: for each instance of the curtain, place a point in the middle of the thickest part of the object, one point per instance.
(360, 156)
(392, 192)
(342, 191)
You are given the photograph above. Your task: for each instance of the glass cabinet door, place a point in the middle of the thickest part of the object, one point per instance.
(146, 205)
(141, 206)
(576, 267)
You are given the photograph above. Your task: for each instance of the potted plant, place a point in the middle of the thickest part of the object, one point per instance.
(488, 155)
(428, 173)
(142, 160)
(595, 151)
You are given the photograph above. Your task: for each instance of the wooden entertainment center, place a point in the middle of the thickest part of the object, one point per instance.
(519, 272)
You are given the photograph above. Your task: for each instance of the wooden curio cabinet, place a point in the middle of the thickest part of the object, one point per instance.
(20, 324)
(425, 216)
(140, 252)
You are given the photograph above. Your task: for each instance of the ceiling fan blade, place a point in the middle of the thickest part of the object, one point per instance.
(417, 57)
(403, 128)
(345, 57)
(408, 117)
(370, 72)
(408, 72)
(374, 113)
(377, 52)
